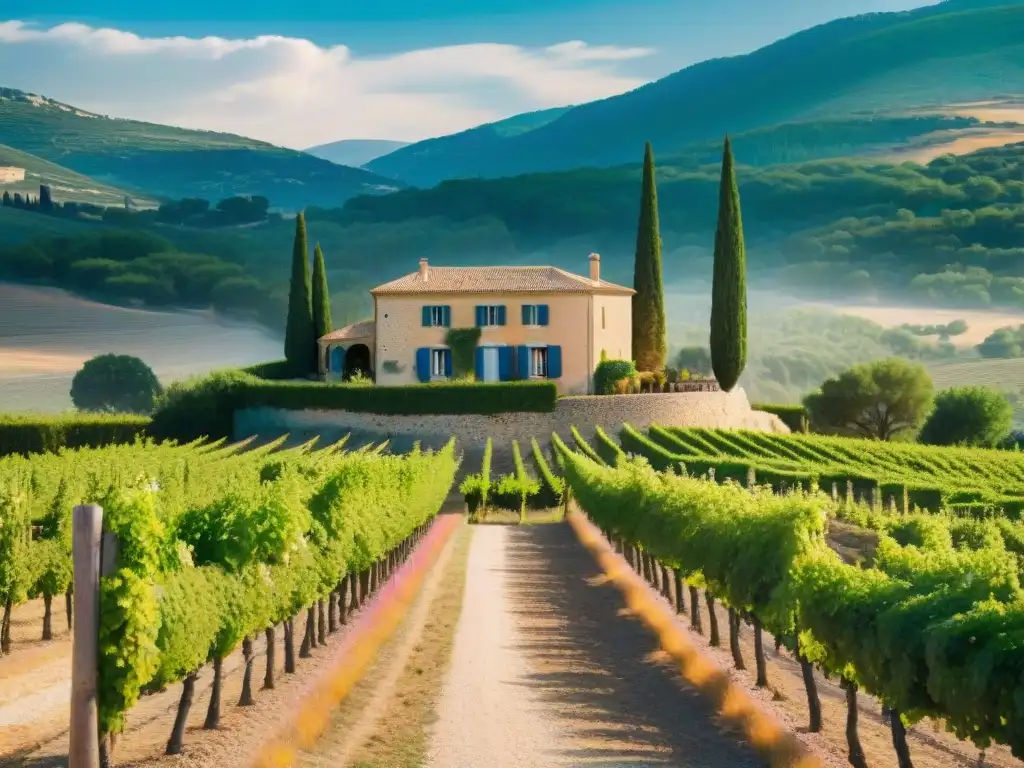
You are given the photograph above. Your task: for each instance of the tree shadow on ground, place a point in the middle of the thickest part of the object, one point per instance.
(592, 662)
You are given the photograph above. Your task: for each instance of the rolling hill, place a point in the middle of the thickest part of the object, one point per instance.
(175, 162)
(65, 185)
(883, 64)
(355, 152)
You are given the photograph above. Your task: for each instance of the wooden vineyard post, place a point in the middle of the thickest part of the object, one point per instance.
(87, 529)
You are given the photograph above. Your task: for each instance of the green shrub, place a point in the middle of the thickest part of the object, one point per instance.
(793, 416)
(608, 372)
(27, 434)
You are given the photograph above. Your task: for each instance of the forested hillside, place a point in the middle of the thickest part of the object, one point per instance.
(165, 161)
(883, 63)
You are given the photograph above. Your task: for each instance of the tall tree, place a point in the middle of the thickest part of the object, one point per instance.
(321, 297)
(875, 400)
(649, 301)
(297, 347)
(729, 286)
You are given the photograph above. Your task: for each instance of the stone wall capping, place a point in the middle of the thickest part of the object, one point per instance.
(688, 409)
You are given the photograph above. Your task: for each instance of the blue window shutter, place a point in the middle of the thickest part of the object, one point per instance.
(554, 362)
(526, 314)
(426, 317)
(542, 314)
(523, 361)
(446, 313)
(448, 363)
(423, 364)
(478, 363)
(481, 315)
(501, 315)
(505, 363)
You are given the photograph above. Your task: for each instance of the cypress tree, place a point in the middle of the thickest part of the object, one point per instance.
(729, 286)
(321, 297)
(649, 300)
(297, 347)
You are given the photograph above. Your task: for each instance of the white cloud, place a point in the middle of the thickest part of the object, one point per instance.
(293, 92)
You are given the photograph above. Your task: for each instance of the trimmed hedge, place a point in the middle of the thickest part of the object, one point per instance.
(199, 407)
(796, 417)
(27, 434)
(275, 370)
(446, 398)
(205, 406)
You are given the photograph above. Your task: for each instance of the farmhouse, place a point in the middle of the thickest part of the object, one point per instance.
(9, 174)
(535, 323)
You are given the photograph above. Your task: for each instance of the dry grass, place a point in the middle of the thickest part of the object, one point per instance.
(1001, 373)
(980, 323)
(852, 543)
(956, 143)
(401, 737)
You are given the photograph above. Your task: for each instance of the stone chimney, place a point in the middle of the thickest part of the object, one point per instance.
(595, 268)
(424, 270)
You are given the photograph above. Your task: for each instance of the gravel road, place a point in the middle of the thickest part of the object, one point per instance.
(547, 671)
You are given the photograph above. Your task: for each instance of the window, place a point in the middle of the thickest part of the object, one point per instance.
(539, 361)
(438, 363)
(535, 314)
(490, 315)
(602, 318)
(437, 317)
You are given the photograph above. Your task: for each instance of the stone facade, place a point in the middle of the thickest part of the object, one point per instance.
(691, 409)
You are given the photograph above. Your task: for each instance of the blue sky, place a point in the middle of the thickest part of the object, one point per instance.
(404, 69)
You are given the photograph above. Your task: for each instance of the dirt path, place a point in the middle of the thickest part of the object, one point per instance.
(546, 670)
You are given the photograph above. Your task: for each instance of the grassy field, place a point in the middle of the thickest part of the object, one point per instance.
(1002, 374)
(46, 335)
(1006, 375)
(980, 323)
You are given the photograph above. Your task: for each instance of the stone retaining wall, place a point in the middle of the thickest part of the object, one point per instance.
(691, 409)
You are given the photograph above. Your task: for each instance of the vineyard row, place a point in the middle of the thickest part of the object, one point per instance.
(217, 545)
(934, 628)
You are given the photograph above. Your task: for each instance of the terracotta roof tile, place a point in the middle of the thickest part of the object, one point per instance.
(362, 330)
(497, 280)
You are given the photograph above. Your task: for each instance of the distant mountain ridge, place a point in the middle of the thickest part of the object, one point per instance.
(166, 161)
(888, 63)
(355, 152)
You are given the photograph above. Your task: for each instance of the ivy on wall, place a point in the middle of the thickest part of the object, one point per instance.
(462, 342)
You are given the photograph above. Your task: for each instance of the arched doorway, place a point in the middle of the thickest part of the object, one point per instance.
(357, 358)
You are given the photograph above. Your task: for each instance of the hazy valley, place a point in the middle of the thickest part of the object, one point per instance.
(897, 181)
